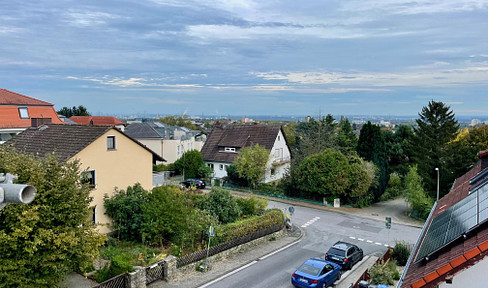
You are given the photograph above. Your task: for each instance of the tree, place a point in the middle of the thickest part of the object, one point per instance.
(221, 204)
(251, 163)
(193, 165)
(42, 241)
(75, 111)
(415, 195)
(399, 148)
(346, 138)
(372, 147)
(125, 209)
(436, 127)
(165, 214)
(180, 121)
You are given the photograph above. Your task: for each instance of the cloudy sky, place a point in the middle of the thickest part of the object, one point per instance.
(248, 57)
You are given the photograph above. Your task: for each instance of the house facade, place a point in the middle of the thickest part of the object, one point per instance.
(452, 248)
(17, 110)
(224, 143)
(170, 142)
(107, 156)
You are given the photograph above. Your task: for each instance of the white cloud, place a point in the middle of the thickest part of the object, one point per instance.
(79, 18)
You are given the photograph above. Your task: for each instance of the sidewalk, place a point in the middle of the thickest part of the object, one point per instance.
(197, 279)
(397, 209)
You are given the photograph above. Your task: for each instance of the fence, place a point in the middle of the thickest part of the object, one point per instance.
(154, 272)
(199, 255)
(365, 275)
(116, 282)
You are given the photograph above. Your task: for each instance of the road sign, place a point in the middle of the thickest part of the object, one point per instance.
(211, 231)
(388, 222)
(291, 209)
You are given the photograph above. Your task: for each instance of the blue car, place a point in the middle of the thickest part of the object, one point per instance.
(316, 273)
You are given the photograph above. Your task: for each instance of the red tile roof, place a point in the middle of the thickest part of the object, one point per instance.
(10, 117)
(458, 255)
(11, 98)
(97, 120)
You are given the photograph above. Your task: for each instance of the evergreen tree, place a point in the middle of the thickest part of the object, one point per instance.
(75, 111)
(347, 140)
(436, 128)
(399, 148)
(372, 147)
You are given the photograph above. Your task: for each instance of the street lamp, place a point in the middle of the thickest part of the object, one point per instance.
(437, 169)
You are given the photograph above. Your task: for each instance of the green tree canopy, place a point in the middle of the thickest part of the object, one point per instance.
(221, 204)
(399, 148)
(372, 147)
(251, 163)
(75, 111)
(193, 165)
(181, 121)
(346, 138)
(125, 209)
(436, 128)
(42, 241)
(415, 194)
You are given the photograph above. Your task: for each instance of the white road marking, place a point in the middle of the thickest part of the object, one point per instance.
(378, 243)
(228, 274)
(386, 245)
(310, 222)
(369, 241)
(360, 239)
(352, 237)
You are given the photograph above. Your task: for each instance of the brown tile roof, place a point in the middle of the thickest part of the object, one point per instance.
(11, 98)
(97, 120)
(461, 253)
(65, 141)
(237, 136)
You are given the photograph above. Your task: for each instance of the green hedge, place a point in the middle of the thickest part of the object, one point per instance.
(247, 226)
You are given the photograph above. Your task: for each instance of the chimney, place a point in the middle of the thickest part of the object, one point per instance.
(483, 155)
(38, 122)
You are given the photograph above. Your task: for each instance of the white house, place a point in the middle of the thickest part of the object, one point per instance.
(224, 143)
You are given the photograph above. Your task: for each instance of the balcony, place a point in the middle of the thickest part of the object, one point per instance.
(280, 161)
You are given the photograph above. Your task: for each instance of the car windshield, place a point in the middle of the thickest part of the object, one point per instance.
(337, 252)
(310, 270)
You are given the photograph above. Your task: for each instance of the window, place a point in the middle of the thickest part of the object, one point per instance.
(111, 143)
(211, 165)
(89, 178)
(277, 153)
(221, 167)
(230, 149)
(94, 215)
(278, 137)
(23, 113)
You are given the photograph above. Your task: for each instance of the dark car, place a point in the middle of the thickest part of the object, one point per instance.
(197, 183)
(344, 254)
(316, 273)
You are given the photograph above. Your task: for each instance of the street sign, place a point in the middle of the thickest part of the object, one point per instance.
(291, 209)
(211, 231)
(388, 223)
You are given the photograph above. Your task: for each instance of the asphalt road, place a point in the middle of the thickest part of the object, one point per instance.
(322, 229)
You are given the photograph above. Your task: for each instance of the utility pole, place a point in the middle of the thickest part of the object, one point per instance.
(437, 169)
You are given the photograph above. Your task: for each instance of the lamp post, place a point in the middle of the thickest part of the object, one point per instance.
(437, 169)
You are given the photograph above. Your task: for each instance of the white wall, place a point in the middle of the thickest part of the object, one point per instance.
(280, 154)
(475, 276)
(218, 172)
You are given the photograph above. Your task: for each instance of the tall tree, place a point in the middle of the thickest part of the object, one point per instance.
(346, 138)
(75, 111)
(399, 148)
(251, 163)
(191, 162)
(436, 127)
(42, 241)
(372, 147)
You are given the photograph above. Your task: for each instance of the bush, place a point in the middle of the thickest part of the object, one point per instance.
(271, 189)
(383, 273)
(161, 167)
(222, 204)
(252, 206)
(401, 252)
(248, 226)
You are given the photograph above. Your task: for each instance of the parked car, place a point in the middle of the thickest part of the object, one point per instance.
(344, 254)
(316, 273)
(197, 183)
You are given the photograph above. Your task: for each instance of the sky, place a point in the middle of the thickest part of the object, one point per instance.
(248, 57)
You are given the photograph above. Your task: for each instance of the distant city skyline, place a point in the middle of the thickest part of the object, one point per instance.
(248, 57)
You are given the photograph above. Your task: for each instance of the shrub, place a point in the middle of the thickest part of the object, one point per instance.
(221, 203)
(401, 252)
(249, 226)
(252, 206)
(382, 273)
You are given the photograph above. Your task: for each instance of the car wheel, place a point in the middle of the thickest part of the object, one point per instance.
(325, 285)
(339, 275)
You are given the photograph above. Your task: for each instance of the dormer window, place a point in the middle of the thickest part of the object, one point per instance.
(230, 149)
(23, 113)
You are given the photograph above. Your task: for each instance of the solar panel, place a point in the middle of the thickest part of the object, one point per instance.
(455, 221)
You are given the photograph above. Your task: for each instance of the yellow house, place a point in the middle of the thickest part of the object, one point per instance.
(108, 158)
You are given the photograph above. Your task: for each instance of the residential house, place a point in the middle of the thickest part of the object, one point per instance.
(169, 142)
(99, 120)
(17, 110)
(453, 244)
(108, 157)
(224, 143)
